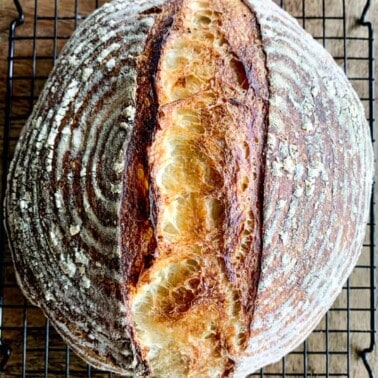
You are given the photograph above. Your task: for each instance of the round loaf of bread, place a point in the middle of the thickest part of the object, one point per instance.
(191, 190)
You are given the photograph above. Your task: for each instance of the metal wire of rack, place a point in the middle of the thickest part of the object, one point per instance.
(341, 344)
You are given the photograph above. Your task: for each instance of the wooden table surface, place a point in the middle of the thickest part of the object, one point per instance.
(56, 360)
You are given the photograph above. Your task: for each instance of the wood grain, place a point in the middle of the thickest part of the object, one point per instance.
(14, 316)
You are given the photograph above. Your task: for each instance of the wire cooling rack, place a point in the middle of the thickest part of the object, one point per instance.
(343, 341)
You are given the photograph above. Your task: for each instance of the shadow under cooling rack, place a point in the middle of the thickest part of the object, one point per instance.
(343, 341)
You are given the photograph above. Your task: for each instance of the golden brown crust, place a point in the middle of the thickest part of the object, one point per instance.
(191, 206)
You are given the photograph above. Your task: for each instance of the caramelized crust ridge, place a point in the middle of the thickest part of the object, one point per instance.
(190, 307)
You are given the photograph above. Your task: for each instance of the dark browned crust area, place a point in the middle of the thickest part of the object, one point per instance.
(138, 242)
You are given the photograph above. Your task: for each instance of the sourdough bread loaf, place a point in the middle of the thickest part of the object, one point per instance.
(191, 190)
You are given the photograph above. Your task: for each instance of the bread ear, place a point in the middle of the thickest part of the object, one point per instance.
(191, 207)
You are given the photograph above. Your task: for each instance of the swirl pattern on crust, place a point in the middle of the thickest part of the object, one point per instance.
(65, 182)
